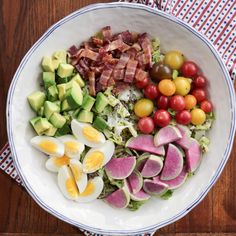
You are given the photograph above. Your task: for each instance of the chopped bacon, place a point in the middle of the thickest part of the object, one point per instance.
(105, 76)
(147, 48)
(141, 59)
(117, 44)
(98, 42)
(89, 54)
(106, 33)
(122, 61)
(130, 71)
(81, 70)
(73, 50)
(127, 37)
(120, 86)
(140, 74)
(137, 47)
(132, 53)
(118, 74)
(91, 77)
(111, 82)
(108, 58)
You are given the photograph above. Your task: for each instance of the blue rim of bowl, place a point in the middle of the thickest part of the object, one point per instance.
(150, 228)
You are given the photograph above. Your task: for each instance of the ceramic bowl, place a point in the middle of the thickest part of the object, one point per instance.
(97, 216)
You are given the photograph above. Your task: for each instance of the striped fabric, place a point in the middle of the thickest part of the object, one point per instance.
(216, 19)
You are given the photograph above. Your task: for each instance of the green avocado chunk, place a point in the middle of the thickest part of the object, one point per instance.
(57, 120)
(88, 102)
(101, 102)
(100, 124)
(48, 79)
(85, 116)
(65, 70)
(50, 108)
(36, 100)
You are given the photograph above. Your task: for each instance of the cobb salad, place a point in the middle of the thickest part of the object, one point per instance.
(120, 120)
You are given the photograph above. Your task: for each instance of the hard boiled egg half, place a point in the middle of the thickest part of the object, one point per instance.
(48, 145)
(86, 134)
(97, 157)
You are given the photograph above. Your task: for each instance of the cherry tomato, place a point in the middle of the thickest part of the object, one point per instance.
(182, 85)
(160, 71)
(200, 81)
(190, 102)
(146, 125)
(177, 103)
(189, 69)
(183, 117)
(163, 102)
(167, 87)
(143, 107)
(151, 91)
(142, 83)
(199, 94)
(174, 59)
(161, 118)
(206, 106)
(198, 116)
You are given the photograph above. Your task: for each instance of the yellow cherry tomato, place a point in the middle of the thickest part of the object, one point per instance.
(174, 59)
(143, 107)
(190, 102)
(167, 87)
(182, 85)
(198, 116)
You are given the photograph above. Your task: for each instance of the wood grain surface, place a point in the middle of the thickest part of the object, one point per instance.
(22, 22)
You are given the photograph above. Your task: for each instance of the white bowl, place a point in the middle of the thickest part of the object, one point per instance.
(97, 216)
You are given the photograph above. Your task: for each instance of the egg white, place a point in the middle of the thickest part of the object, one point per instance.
(78, 131)
(55, 163)
(48, 145)
(106, 150)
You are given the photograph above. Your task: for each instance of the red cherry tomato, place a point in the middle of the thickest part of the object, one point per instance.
(200, 81)
(151, 91)
(142, 84)
(177, 103)
(163, 102)
(189, 69)
(146, 125)
(206, 106)
(183, 117)
(161, 118)
(199, 94)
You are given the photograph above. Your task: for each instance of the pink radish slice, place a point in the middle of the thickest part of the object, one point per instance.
(155, 188)
(135, 182)
(185, 141)
(152, 167)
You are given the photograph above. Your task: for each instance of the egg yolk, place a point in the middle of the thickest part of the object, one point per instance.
(48, 146)
(72, 147)
(94, 161)
(77, 172)
(61, 161)
(89, 190)
(72, 188)
(91, 134)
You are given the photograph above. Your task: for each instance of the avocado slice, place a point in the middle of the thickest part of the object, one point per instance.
(57, 120)
(74, 96)
(100, 124)
(77, 78)
(85, 116)
(50, 108)
(52, 94)
(61, 91)
(62, 80)
(36, 100)
(47, 64)
(65, 106)
(58, 57)
(51, 131)
(40, 124)
(40, 111)
(101, 102)
(88, 102)
(65, 70)
(58, 103)
(48, 79)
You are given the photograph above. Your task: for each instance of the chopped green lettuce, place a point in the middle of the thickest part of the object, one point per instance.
(175, 74)
(204, 143)
(135, 205)
(156, 52)
(167, 194)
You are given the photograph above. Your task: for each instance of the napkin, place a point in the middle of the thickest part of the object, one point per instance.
(215, 19)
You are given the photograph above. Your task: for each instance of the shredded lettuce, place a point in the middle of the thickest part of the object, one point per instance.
(156, 52)
(122, 111)
(175, 74)
(167, 195)
(204, 143)
(135, 205)
(172, 112)
(206, 125)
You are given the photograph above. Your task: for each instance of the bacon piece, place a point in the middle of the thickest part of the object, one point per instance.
(98, 42)
(111, 82)
(140, 74)
(118, 74)
(120, 86)
(81, 70)
(89, 54)
(91, 77)
(117, 44)
(73, 50)
(141, 58)
(124, 47)
(137, 47)
(147, 48)
(106, 32)
(122, 61)
(109, 59)
(127, 37)
(132, 53)
(105, 76)
(130, 71)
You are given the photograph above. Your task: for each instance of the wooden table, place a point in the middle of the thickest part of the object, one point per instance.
(22, 22)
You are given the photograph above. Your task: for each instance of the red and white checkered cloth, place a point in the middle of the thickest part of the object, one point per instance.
(215, 19)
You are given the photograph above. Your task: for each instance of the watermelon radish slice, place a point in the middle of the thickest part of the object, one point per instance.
(118, 199)
(135, 182)
(140, 196)
(166, 135)
(155, 188)
(174, 183)
(141, 162)
(144, 142)
(193, 156)
(120, 168)
(152, 166)
(185, 141)
(173, 163)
